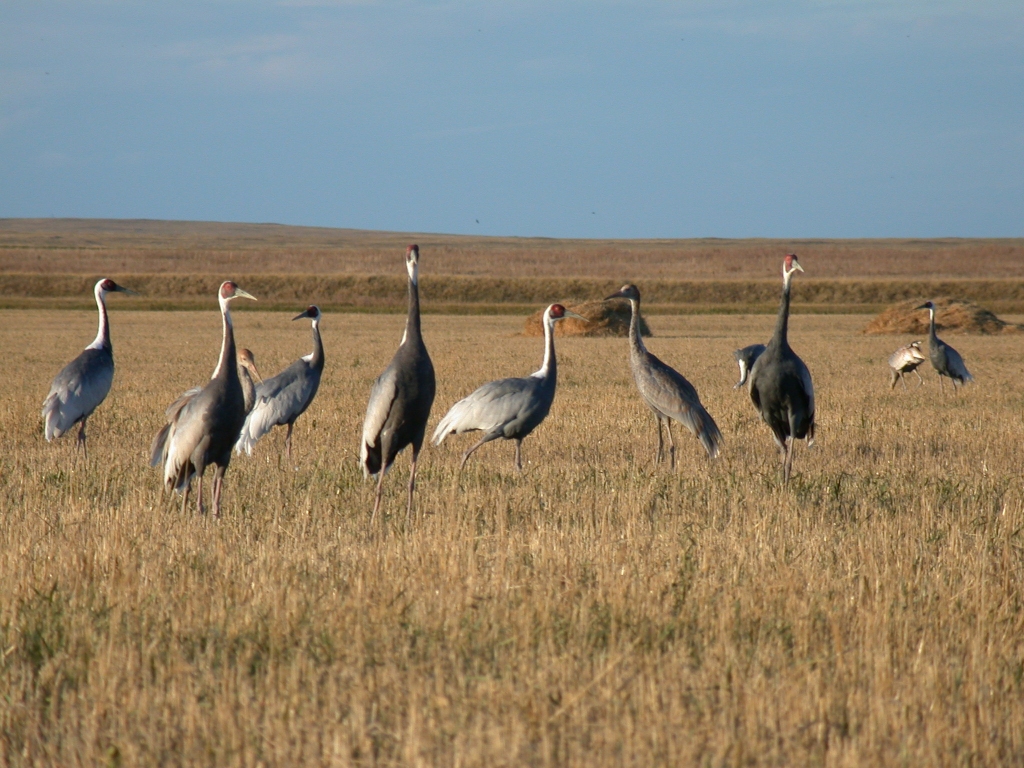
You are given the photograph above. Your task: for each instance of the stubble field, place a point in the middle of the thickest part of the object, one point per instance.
(596, 610)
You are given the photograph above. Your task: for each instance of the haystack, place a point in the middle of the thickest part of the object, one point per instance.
(604, 318)
(951, 315)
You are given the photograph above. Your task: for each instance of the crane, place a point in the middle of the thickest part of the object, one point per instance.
(282, 399)
(83, 383)
(904, 360)
(745, 359)
(780, 385)
(945, 360)
(509, 408)
(205, 426)
(401, 398)
(667, 393)
(246, 372)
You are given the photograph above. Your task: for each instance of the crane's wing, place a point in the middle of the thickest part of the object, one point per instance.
(157, 449)
(382, 397)
(906, 359)
(278, 400)
(668, 392)
(185, 433)
(488, 408)
(77, 390)
(956, 366)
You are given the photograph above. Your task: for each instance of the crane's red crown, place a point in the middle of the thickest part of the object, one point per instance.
(108, 285)
(227, 289)
(557, 310)
(790, 258)
(412, 249)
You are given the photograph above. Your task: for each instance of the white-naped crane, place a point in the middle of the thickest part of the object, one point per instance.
(280, 400)
(667, 393)
(904, 360)
(945, 360)
(83, 383)
(509, 408)
(246, 371)
(203, 428)
(780, 384)
(745, 359)
(401, 398)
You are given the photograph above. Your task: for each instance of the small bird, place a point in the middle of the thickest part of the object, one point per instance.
(282, 399)
(203, 428)
(904, 360)
(83, 383)
(667, 393)
(746, 358)
(945, 360)
(401, 398)
(509, 408)
(780, 384)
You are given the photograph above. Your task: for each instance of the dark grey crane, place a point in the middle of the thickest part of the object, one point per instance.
(945, 360)
(780, 385)
(204, 427)
(745, 359)
(904, 360)
(246, 371)
(509, 408)
(83, 383)
(280, 400)
(401, 398)
(665, 390)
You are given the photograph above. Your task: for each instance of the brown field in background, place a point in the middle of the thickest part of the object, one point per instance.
(597, 610)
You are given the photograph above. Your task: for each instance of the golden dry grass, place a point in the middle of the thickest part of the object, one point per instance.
(596, 610)
(952, 316)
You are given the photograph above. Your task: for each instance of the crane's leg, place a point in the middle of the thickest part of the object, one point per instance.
(787, 466)
(81, 439)
(485, 439)
(671, 444)
(288, 441)
(184, 496)
(661, 443)
(412, 486)
(199, 495)
(941, 387)
(380, 488)
(920, 381)
(953, 382)
(519, 454)
(218, 485)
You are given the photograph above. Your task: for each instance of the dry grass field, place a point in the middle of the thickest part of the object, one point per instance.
(595, 611)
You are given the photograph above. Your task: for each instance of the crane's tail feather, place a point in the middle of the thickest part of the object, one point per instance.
(258, 423)
(157, 450)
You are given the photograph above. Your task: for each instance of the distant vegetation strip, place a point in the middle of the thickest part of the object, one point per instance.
(488, 294)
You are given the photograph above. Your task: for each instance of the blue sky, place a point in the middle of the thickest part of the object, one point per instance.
(561, 119)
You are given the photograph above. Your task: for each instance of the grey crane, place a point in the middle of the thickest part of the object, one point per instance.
(945, 360)
(280, 400)
(204, 427)
(83, 383)
(509, 408)
(667, 393)
(904, 360)
(401, 398)
(745, 359)
(246, 371)
(780, 385)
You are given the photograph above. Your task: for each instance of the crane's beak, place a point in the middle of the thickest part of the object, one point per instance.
(570, 313)
(129, 291)
(616, 295)
(301, 315)
(239, 293)
(796, 264)
(923, 306)
(254, 371)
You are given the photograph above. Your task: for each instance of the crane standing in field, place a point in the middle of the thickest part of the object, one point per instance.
(780, 385)
(83, 383)
(945, 360)
(745, 359)
(665, 390)
(509, 408)
(205, 427)
(282, 399)
(904, 360)
(401, 398)
(246, 371)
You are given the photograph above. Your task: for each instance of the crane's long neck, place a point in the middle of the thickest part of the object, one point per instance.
(932, 337)
(102, 339)
(412, 321)
(782, 321)
(227, 366)
(317, 358)
(549, 368)
(636, 341)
